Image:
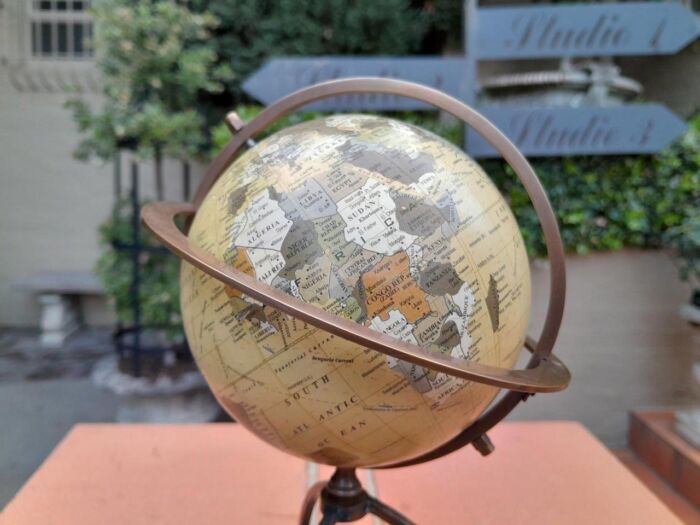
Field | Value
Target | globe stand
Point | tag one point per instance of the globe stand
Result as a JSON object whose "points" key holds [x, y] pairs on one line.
{"points": [[344, 500]]}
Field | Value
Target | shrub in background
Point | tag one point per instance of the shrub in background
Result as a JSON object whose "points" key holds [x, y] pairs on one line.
{"points": [[445, 26], [606, 203], [684, 241], [252, 31], [155, 61], [159, 294], [683, 236]]}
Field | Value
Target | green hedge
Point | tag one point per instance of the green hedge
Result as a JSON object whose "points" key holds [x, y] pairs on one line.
{"points": [[606, 203], [159, 296], [603, 203]]}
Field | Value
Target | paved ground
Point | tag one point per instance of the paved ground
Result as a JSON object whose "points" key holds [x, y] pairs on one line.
{"points": [[42, 394], [35, 418], [622, 339]]}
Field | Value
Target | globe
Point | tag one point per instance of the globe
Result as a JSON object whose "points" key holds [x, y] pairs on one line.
{"points": [[373, 220]]}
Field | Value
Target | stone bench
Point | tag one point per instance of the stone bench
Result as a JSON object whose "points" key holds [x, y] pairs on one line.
{"points": [[59, 297]]}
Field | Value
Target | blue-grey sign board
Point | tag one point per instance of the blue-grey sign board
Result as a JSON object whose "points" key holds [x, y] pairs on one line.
{"points": [[282, 76], [631, 28], [497, 33], [554, 131]]}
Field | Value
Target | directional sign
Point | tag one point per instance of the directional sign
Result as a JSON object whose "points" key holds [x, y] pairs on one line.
{"points": [[507, 33], [282, 76], [554, 131], [632, 28]]}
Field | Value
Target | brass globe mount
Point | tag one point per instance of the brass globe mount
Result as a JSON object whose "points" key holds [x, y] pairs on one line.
{"points": [[342, 498]]}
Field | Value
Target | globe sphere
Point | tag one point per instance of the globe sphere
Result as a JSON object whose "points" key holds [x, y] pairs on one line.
{"points": [[376, 221]]}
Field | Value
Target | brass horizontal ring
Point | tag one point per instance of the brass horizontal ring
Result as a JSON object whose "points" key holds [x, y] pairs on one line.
{"points": [[547, 375], [540, 348]]}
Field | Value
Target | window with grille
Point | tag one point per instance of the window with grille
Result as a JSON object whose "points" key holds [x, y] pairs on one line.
{"points": [[60, 29]]}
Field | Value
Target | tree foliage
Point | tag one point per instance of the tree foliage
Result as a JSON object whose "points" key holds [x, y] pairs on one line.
{"points": [[159, 293], [251, 31], [156, 62], [606, 203]]}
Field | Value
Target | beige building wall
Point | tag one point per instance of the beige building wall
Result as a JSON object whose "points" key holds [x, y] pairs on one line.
{"points": [[50, 204]]}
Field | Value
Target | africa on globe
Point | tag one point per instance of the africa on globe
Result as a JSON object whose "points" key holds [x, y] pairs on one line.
{"points": [[376, 221]]}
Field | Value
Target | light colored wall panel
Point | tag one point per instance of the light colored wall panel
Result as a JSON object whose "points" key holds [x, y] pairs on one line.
{"points": [[50, 204]]}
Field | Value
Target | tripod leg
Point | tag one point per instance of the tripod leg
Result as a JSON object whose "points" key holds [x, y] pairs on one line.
{"points": [[391, 516], [328, 519], [310, 500]]}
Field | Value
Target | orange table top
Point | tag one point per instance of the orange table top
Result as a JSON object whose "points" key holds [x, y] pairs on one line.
{"points": [[541, 472]]}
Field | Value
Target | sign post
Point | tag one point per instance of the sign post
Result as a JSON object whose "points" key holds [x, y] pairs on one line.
{"points": [[557, 131], [290, 74], [631, 28], [514, 33]]}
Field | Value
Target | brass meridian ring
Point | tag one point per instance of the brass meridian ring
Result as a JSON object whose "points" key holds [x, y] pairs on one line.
{"points": [[544, 372]]}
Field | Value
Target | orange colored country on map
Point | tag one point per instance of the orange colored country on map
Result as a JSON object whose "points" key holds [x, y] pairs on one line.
{"points": [[242, 263], [389, 286]]}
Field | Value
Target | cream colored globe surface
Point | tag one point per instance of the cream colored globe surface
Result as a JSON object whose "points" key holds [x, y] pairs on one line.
{"points": [[376, 221]]}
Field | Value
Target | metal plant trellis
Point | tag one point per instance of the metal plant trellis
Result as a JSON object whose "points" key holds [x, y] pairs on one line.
{"points": [[129, 338]]}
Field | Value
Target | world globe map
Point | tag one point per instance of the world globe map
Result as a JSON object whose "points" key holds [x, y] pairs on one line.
{"points": [[376, 221]]}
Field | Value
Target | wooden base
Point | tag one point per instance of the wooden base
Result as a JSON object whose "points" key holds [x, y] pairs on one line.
{"points": [[342, 500]]}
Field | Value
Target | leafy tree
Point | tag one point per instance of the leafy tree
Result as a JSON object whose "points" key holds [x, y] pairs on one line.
{"points": [[156, 62], [251, 31], [445, 26], [681, 165], [159, 291]]}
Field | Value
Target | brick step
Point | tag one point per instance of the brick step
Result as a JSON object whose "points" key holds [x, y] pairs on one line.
{"points": [[681, 507], [653, 439]]}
